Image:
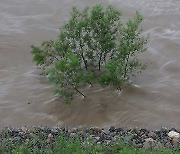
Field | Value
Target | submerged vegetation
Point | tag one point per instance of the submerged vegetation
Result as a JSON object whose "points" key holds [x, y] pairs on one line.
{"points": [[94, 46]]}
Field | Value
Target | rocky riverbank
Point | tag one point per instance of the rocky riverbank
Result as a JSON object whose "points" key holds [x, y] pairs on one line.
{"points": [[139, 137]]}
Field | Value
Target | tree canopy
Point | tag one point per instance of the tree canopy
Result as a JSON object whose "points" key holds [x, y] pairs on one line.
{"points": [[94, 46]]}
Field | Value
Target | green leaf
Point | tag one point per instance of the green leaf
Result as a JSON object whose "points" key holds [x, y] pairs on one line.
{"points": [[93, 46]]}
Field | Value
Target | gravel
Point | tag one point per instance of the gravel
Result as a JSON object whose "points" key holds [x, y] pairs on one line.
{"points": [[139, 137]]}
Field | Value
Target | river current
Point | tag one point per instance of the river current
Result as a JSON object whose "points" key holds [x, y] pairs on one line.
{"points": [[26, 97]]}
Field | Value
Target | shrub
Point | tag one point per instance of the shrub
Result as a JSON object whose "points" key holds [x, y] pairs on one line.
{"points": [[94, 46]]}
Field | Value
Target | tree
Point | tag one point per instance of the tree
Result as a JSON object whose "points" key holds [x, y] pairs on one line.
{"points": [[94, 46]]}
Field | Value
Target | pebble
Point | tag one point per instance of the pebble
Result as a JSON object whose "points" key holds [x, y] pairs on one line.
{"points": [[50, 136], [27, 141], [72, 135], [149, 143], [108, 142], [140, 145], [133, 136], [54, 131], [113, 134], [106, 131], [24, 129], [97, 138], [152, 135], [96, 129], [112, 129]]}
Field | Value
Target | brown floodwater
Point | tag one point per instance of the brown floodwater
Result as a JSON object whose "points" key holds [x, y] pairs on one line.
{"points": [[26, 97]]}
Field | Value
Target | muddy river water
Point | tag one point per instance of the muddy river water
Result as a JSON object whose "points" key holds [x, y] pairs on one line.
{"points": [[26, 97]]}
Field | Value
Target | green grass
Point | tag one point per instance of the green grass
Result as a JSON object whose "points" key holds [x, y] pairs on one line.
{"points": [[65, 145]]}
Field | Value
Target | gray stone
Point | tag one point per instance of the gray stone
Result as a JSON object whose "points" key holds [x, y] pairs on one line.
{"points": [[108, 142], [73, 130], [95, 130], [54, 131], [106, 131], [112, 129], [50, 136], [152, 135], [97, 138], [128, 137], [27, 141], [173, 134], [140, 145], [24, 129], [16, 138], [168, 145], [143, 136], [176, 142], [92, 136], [73, 135], [149, 143], [158, 145], [113, 134]]}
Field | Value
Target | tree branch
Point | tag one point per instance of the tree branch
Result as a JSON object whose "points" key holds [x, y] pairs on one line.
{"points": [[79, 91]]}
